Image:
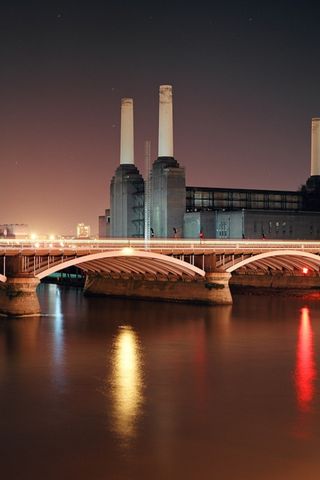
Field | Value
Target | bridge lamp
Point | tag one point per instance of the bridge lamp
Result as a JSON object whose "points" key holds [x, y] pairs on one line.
{"points": [[305, 270], [37, 245], [127, 250]]}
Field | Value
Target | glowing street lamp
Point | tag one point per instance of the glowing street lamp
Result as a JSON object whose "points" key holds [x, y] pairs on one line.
{"points": [[127, 250]]}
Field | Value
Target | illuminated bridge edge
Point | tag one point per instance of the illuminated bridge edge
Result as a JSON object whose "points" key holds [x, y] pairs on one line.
{"points": [[298, 259], [127, 261]]}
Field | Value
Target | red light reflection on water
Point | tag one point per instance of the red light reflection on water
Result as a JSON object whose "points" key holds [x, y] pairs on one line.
{"points": [[305, 372]]}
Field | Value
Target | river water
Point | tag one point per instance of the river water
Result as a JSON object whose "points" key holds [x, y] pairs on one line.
{"points": [[103, 388]]}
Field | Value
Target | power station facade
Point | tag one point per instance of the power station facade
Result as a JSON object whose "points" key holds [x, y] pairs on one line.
{"points": [[176, 210]]}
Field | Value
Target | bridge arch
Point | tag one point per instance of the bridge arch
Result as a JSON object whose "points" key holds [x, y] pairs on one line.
{"points": [[3, 278], [128, 261], [282, 259]]}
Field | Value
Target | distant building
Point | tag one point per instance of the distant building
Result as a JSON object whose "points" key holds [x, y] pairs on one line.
{"points": [[83, 231], [14, 230], [104, 224]]}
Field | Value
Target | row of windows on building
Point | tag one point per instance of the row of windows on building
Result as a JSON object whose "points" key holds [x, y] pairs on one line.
{"points": [[197, 200], [270, 228]]}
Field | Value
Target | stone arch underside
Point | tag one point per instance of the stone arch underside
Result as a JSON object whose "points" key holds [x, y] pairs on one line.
{"points": [[288, 260], [128, 262]]}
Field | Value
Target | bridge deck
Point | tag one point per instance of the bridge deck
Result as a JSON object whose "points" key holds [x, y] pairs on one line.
{"points": [[167, 246]]}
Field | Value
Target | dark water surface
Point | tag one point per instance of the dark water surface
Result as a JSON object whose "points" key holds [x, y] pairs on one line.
{"points": [[117, 389]]}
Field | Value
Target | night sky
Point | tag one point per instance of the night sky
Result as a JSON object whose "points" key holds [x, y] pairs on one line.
{"points": [[246, 80]]}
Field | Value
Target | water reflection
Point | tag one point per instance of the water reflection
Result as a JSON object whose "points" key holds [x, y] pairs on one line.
{"points": [[58, 340], [305, 372], [305, 375], [58, 330], [127, 382], [20, 336]]}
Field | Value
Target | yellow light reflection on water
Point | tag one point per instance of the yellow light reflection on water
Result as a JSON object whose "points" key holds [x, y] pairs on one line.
{"points": [[127, 382]]}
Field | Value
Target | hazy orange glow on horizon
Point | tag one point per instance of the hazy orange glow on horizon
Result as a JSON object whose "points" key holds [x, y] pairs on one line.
{"points": [[245, 88]]}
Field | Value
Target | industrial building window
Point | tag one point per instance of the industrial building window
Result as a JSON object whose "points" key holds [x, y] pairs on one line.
{"points": [[255, 227], [222, 229], [275, 197], [270, 227], [221, 195], [221, 203], [290, 229], [258, 197], [275, 205], [277, 227], [311, 229], [284, 227]]}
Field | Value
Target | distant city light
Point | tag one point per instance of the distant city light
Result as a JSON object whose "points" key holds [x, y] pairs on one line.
{"points": [[33, 236], [83, 231]]}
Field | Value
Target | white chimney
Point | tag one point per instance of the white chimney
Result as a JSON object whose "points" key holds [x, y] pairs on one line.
{"points": [[126, 136], [315, 147], [165, 145]]}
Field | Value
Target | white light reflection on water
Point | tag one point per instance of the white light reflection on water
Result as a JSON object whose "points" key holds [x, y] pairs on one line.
{"points": [[126, 382], [58, 330], [58, 338]]}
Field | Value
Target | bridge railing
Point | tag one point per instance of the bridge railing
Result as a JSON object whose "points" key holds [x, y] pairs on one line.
{"points": [[158, 243]]}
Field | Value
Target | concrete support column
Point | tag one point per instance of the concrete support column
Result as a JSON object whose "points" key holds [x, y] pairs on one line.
{"points": [[165, 145], [126, 136], [315, 147], [210, 263], [217, 284], [213, 290], [18, 297]]}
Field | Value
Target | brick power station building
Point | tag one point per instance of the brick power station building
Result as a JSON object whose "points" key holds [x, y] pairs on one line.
{"points": [[164, 207]]}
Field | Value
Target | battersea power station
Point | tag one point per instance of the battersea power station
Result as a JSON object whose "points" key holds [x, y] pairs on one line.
{"points": [[162, 206]]}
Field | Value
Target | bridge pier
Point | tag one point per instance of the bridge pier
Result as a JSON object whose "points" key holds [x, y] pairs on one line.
{"points": [[18, 297], [213, 289], [217, 284]]}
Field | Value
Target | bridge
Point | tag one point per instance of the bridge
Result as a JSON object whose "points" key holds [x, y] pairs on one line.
{"points": [[193, 269]]}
